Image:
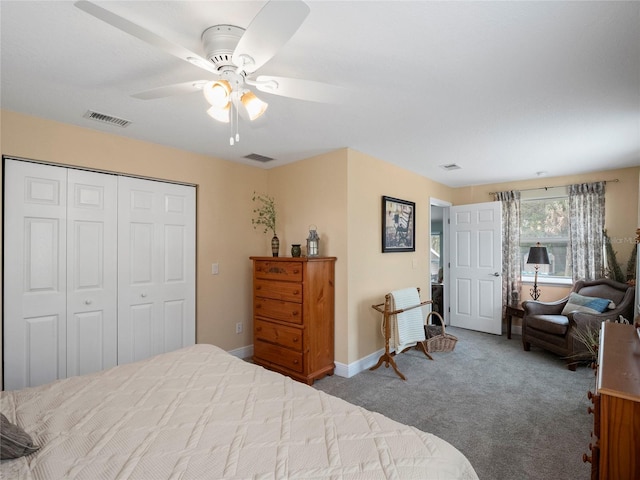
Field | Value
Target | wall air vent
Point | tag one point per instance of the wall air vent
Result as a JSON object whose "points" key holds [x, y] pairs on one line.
{"points": [[451, 166], [258, 158], [103, 118]]}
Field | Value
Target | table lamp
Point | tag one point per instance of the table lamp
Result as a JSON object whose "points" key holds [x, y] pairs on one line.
{"points": [[538, 256]]}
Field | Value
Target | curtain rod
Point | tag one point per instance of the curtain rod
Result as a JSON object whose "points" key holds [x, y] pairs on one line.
{"points": [[615, 180]]}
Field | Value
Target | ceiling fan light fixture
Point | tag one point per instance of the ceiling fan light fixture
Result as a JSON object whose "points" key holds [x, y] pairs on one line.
{"points": [[254, 106], [220, 114], [217, 93]]}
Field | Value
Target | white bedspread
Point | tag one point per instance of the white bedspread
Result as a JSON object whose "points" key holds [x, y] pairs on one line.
{"points": [[200, 413]]}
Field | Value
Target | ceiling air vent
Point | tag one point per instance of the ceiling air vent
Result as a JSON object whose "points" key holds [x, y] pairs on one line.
{"points": [[451, 166], [258, 158], [103, 118]]}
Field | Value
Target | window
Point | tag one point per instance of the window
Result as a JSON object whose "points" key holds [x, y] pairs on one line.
{"points": [[546, 220]]}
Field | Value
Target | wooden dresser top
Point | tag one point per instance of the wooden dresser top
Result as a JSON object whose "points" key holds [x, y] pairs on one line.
{"points": [[619, 361]]}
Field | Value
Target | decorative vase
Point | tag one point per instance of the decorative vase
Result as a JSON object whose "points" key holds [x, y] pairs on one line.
{"points": [[296, 251], [275, 245]]}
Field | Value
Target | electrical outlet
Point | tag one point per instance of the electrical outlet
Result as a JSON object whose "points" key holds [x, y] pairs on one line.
{"points": [[239, 327]]}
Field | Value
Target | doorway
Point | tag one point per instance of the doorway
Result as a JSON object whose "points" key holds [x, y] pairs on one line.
{"points": [[438, 256]]}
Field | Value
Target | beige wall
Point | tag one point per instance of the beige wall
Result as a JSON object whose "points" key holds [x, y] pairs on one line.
{"points": [[224, 191], [340, 192], [622, 205], [314, 192], [373, 274]]}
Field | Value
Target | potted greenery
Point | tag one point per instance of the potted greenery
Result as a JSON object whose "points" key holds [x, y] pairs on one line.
{"points": [[265, 216]]}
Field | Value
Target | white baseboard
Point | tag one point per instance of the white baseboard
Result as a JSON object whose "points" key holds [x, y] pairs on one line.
{"points": [[348, 371], [343, 369], [242, 352]]}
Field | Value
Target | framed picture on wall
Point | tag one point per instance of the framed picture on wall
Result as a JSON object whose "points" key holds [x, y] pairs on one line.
{"points": [[398, 225]]}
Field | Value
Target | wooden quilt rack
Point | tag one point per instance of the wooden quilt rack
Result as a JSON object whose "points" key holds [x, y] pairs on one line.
{"points": [[387, 357]]}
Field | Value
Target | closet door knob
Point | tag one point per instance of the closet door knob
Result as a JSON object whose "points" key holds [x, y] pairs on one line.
{"points": [[88, 302], [143, 295]]}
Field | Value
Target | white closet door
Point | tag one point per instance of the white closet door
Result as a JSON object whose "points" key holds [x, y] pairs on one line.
{"points": [[35, 290], [91, 272], [156, 268]]}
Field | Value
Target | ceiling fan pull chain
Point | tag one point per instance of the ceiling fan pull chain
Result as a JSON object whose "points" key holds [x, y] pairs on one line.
{"points": [[237, 125], [231, 125]]}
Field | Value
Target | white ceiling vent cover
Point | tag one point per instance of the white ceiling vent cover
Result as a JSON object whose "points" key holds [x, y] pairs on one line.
{"points": [[104, 118], [258, 158], [451, 166]]}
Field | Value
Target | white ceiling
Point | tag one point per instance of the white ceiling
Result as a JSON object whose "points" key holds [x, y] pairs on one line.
{"points": [[502, 89]]}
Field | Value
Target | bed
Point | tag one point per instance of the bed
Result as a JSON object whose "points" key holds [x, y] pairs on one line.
{"points": [[201, 413]]}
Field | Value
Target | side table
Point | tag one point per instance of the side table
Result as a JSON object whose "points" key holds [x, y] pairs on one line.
{"points": [[510, 312]]}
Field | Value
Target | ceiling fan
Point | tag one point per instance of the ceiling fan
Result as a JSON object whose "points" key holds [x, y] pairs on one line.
{"points": [[232, 55]]}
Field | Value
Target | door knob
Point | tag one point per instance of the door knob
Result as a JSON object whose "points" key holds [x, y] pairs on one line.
{"points": [[88, 302], [143, 295], [495, 274]]}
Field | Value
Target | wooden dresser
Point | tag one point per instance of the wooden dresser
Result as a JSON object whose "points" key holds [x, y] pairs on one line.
{"points": [[615, 446], [293, 315]]}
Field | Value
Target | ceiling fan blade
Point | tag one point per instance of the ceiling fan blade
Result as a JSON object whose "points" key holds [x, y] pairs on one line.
{"points": [[145, 35], [300, 89], [271, 28], [171, 90]]}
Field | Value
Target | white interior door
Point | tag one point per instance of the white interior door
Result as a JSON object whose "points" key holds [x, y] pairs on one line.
{"points": [[91, 272], [475, 267], [156, 268], [35, 290]]}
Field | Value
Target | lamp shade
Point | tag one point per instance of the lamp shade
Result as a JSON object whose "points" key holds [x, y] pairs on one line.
{"points": [[255, 107], [220, 114], [217, 93], [538, 255]]}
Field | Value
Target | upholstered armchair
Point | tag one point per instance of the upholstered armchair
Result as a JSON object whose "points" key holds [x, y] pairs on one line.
{"points": [[551, 325]]}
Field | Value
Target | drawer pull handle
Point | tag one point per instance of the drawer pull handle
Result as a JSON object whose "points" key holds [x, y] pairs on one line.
{"points": [[296, 271], [258, 305], [585, 458], [295, 339], [590, 410], [295, 314], [296, 292], [295, 362], [258, 287]]}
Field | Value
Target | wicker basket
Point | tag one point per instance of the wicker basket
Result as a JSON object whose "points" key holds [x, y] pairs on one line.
{"points": [[438, 340]]}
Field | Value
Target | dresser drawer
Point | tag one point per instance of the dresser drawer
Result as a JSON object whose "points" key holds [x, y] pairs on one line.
{"points": [[278, 310], [277, 355], [283, 271], [289, 337], [291, 292]]}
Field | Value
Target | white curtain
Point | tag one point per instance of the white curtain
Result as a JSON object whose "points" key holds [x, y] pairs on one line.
{"points": [[586, 226], [511, 268]]}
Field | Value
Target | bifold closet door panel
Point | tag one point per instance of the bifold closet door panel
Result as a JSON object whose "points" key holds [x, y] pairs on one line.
{"points": [[92, 258], [35, 290], [156, 268], [60, 273]]}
